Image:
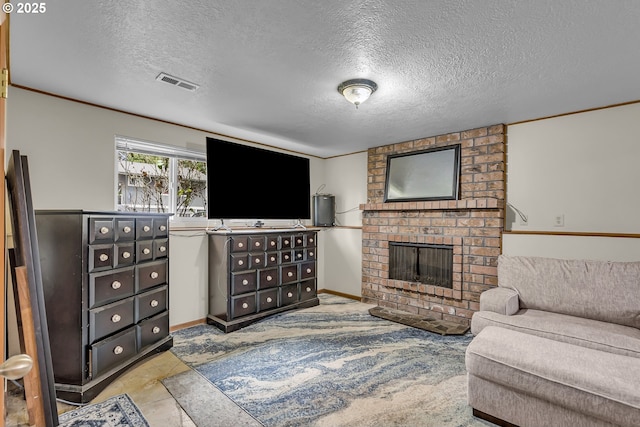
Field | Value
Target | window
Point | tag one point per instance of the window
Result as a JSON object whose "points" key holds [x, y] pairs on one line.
{"points": [[158, 178]]}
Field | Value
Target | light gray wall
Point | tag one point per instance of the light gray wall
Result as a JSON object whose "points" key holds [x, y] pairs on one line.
{"points": [[584, 167], [71, 152]]}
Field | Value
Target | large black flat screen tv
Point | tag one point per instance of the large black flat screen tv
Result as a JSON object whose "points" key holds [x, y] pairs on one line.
{"points": [[245, 182]]}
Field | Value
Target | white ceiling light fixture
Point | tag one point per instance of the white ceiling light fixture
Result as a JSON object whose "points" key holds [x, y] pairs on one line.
{"points": [[356, 91]]}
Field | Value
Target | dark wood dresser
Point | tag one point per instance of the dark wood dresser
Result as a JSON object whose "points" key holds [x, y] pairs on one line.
{"points": [[106, 285], [254, 274]]}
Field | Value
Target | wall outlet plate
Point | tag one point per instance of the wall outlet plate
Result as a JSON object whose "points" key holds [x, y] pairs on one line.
{"points": [[558, 220]]}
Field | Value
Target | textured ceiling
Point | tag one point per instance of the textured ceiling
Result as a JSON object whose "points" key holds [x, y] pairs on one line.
{"points": [[268, 69]]}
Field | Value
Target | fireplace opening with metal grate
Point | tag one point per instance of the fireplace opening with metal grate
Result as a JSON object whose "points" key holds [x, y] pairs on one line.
{"points": [[423, 263]]}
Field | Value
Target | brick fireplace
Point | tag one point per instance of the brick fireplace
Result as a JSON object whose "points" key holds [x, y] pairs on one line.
{"points": [[471, 225]]}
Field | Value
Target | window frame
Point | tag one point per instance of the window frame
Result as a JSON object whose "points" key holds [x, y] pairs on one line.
{"points": [[174, 154]]}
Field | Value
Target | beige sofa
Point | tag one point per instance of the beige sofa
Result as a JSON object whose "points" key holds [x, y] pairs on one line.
{"points": [[557, 343]]}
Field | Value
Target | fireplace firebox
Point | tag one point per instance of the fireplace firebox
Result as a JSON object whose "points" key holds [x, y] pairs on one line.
{"points": [[423, 263]]}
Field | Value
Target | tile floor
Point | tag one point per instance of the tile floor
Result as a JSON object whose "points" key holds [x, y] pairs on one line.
{"points": [[141, 383]]}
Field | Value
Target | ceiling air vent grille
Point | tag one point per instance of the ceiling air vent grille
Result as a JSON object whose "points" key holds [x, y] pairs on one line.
{"points": [[176, 81]]}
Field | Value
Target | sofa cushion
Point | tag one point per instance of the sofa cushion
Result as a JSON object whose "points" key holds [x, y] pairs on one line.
{"points": [[500, 300], [600, 290], [594, 334], [584, 380]]}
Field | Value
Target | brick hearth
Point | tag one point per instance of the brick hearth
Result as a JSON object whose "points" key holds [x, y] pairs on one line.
{"points": [[472, 225]]}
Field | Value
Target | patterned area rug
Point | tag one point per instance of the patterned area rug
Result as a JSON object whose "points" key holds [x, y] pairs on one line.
{"points": [[118, 411], [329, 365]]}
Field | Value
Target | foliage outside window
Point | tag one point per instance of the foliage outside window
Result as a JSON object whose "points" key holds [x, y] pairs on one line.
{"points": [[156, 178]]}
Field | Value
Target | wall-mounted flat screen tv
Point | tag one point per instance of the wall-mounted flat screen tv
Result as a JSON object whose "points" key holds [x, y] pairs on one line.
{"points": [[423, 175], [245, 182]]}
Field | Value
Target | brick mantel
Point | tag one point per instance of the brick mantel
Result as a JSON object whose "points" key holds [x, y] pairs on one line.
{"points": [[472, 225], [485, 203]]}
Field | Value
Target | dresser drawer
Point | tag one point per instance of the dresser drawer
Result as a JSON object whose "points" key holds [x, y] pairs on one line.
{"points": [[268, 278], [124, 229], [256, 243], [100, 230], [298, 255], [256, 260], [160, 248], [310, 240], [144, 250], [243, 305], [289, 273], [151, 274], [310, 254], [288, 294], [239, 262], [110, 318], [271, 259], [110, 286], [298, 241], [150, 303], [307, 270], [144, 228], [308, 290], [112, 351], [100, 257], [286, 242], [124, 254], [272, 243], [161, 227], [239, 244], [241, 283], [267, 299], [286, 257], [152, 330]]}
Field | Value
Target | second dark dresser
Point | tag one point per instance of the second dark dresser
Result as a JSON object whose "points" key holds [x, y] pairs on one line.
{"points": [[106, 285]]}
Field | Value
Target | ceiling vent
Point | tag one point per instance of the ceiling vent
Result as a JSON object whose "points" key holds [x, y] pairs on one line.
{"points": [[176, 81]]}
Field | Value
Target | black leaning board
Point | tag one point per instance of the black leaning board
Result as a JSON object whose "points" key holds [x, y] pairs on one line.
{"points": [[27, 254]]}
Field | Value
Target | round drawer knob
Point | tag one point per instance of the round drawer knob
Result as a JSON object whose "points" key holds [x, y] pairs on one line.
{"points": [[286, 242], [290, 294], [308, 289], [163, 249], [155, 330], [257, 244], [127, 229], [241, 245], [269, 299], [154, 303], [286, 257], [245, 282], [290, 274], [257, 260], [308, 270], [118, 349], [311, 254], [154, 275], [310, 239], [146, 251], [245, 305], [162, 227], [299, 241], [272, 259], [104, 257], [269, 278], [104, 230], [146, 228], [240, 262], [272, 243], [299, 255], [116, 284], [126, 255], [116, 318]]}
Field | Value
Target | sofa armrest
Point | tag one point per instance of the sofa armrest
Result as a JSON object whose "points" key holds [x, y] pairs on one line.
{"points": [[500, 300]]}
